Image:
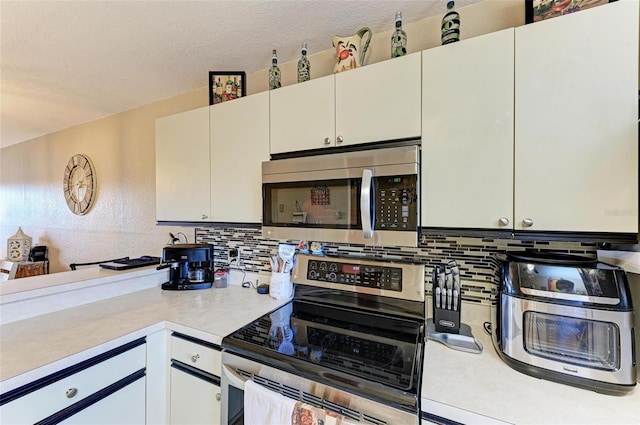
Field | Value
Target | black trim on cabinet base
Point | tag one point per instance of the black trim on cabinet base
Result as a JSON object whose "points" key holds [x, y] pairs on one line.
{"points": [[438, 419], [195, 372], [49, 379], [209, 224], [529, 235], [92, 399], [196, 340]]}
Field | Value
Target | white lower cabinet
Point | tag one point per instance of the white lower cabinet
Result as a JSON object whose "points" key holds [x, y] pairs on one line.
{"points": [[91, 390], [194, 399], [195, 381], [124, 407]]}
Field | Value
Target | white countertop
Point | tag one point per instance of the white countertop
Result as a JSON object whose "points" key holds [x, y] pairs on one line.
{"points": [[456, 385], [34, 347], [456, 382]]}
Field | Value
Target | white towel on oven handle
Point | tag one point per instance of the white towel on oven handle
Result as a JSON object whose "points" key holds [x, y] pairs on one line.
{"points": [[265, 407]]}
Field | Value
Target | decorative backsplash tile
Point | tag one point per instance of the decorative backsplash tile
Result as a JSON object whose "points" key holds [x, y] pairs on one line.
{"points": [[479, 271]]}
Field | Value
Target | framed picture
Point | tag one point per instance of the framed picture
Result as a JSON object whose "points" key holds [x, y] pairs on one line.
{"points": [[539, 10], [226, 85]]}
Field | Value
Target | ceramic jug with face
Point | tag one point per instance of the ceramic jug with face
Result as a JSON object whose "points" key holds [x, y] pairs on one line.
{"points": [[350, 52]]}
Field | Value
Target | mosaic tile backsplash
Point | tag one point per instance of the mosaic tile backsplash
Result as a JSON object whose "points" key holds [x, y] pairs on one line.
{"points": [[474, 255]]}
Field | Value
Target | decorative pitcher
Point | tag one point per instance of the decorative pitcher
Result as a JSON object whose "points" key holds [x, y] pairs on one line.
{"points": [[349, 51]]}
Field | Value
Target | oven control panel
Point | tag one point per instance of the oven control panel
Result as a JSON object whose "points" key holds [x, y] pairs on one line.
{"points": [[372, 276]]}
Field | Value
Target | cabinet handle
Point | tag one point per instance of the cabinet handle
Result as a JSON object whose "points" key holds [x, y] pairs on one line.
{"points": [[195, 358], [339, 139], [71, 392], [327, 141], [218, 397], [527, 222], [204, 216], [503, 221]]}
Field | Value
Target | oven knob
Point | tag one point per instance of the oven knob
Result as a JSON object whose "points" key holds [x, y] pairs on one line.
{"points": [[333, 267], [313, 275], [332, 277]]}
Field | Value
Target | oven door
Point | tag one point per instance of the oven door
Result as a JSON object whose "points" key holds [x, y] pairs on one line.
{"points": [[237, 370], [579, 342]]}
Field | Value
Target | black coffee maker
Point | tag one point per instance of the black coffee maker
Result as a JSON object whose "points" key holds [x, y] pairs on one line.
{"points": [[190, 266]]}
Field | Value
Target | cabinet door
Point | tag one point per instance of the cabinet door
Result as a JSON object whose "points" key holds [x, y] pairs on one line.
{"points": [[467, 125], [239, 144], [576, 131], [182, 167], [379, 102], [193, 400], [125, 407], [303, 116]]}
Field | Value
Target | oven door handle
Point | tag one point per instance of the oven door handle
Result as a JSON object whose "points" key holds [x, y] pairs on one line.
{"points": [[365, 204], [234, 378]]}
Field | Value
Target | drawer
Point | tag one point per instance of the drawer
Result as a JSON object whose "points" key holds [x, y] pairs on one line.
{"points": [[197, 355], [61, 393]]}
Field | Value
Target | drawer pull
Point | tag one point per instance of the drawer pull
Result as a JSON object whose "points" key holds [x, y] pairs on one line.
{"points": [[71, 392], [195, 358]]}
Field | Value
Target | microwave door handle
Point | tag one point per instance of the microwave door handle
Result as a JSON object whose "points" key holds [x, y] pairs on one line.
{"points": [[365, 204]]}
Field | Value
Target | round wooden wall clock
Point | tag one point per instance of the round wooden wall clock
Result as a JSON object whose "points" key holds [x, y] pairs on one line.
{"points": [[79, 184]]}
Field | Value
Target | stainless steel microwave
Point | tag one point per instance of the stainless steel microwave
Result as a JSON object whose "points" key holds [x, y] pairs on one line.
{"points": [[365, 197]]}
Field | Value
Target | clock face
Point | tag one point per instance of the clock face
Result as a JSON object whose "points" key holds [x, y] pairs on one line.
{"points": [[79, 184]]}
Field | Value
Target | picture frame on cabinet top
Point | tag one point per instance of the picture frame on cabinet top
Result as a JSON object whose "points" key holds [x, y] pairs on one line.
{"points": [[226, 85], [539, 10]]}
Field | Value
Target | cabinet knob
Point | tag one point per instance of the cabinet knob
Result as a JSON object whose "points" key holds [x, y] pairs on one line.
{"points": [[339, 139], [71, 392], [195, 358], [204, 216], [218, 397], [327, 141], [527, 222], [503, 221]]}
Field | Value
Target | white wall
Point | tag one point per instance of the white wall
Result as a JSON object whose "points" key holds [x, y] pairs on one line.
{"points": [[122, 148]]}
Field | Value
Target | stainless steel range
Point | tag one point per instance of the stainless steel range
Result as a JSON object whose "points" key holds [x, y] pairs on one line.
{"points": [[350, 342]]}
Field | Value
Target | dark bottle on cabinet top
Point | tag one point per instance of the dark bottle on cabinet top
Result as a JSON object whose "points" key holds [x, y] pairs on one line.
{"points": [[450, 24], [398, 39]]}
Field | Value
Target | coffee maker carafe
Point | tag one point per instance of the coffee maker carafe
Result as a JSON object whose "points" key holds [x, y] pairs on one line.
{"points": [[190, 266]]}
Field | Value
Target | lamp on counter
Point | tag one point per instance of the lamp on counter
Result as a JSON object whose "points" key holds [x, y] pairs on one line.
{"points": [[18, 246]]}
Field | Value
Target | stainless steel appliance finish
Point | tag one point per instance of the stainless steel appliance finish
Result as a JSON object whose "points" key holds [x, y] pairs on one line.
{"points": [[367, 197], [236, 370], [354, 351], [567, 319], [627, 256]]}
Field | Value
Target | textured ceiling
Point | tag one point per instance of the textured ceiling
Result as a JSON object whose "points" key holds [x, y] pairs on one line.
{"points": [[67, 62]]}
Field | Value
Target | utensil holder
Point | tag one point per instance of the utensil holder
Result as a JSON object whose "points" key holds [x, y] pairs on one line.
{"points": [[280, 286], [445, 319]]}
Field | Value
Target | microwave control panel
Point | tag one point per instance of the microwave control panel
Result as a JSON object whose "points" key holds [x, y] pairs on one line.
{"points": [[396, 203], [379, 277]]}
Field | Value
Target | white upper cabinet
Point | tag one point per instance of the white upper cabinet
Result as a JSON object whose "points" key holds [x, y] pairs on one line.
{"points": [[303, 116], [182, 167], [576, 112], [374, 103], [239, 144], [467, 133], [379, 102]]}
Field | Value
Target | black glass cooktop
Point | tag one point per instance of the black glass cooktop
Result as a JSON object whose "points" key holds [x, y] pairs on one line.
{"points": [[328, 340]]}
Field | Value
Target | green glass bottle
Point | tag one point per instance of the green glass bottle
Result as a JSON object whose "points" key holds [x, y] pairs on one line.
{"points": [[304, 67], [398, 39], [451, 24], [274, 72]]}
